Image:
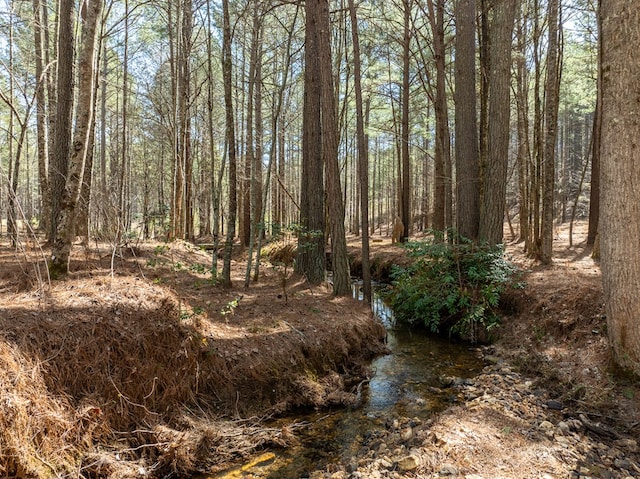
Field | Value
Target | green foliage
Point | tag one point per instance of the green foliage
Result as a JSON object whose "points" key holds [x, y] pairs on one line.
{"points": [[195, 311], [161, 249], [156, 259], [200, 268], [177, 266], [451, 287], [231, 306]]}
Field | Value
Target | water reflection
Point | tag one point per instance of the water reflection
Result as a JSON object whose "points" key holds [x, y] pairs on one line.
{"points": [[404, 383]]}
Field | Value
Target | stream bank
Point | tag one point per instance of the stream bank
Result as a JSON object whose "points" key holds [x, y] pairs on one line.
{"points": [[498, 424], [407, 387], [126, 388], [544, 405]]}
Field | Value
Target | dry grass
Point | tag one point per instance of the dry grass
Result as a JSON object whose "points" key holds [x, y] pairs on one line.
{"points": [[135, 371]]}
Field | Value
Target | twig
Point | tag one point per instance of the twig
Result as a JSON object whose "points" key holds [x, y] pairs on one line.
{"points": [[53, 469], [142, 446], [597, 428], [127, 400], [294, 329]]}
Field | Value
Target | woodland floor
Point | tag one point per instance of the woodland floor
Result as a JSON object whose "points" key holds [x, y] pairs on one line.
{"points": [[137, 365]]}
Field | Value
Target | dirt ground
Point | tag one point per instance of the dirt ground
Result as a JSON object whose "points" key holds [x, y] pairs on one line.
{"points": [[138, 365]]}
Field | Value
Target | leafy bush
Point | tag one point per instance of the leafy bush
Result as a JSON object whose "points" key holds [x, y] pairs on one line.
{"points": [[451, 287]]}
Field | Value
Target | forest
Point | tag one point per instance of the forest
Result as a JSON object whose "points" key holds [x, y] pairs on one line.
{"points": [[171, 170], [158, 161]]}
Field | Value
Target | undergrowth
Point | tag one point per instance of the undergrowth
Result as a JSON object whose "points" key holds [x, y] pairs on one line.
{"points": [[452, 288]]}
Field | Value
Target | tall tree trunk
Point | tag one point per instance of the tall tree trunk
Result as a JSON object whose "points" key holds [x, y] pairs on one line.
{"points": [[485, 63], [254, 135], [12, 226], [405, 196], [552, 90], [177, 170], [501, 20], [103, 214], [185, 118], [466, 128], [538, 139], [524, 147], [363, 155], [41, 116], [231, 144], [248, 185], [620, 175], [311, 255], [216, 184], [259, 148], [124, 152], [86, 191], [64, 105], [65, 230], [443, 144], [330, 143], [594, 197]]}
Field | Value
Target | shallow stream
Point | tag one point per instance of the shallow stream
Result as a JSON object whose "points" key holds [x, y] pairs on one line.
{"points": [[404, 384]]}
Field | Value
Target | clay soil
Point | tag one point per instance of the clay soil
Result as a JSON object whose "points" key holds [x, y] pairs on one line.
{"points": [[139, 365]]}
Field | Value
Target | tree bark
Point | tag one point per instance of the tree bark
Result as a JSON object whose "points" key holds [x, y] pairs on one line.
{"points": [[363, 155], [466, 128], [65, 230], [620, 175], [405, 196], [64, 105], [594, 197], [552, 89], [501, 20], [41, 116], [330, 143], [310, 255], [231, 144]]}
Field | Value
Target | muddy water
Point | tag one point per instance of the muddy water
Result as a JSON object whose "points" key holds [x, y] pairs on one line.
{"points": [[405, 383]]}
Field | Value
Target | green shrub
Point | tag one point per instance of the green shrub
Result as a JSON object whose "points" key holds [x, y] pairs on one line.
{"points": [[453, 288]]}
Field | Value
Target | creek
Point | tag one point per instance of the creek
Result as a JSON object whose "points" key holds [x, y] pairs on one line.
{"points": [[406, 383]]}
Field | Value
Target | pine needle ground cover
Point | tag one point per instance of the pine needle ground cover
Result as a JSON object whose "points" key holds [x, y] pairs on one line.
{"points": [[150, 371]]}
